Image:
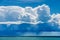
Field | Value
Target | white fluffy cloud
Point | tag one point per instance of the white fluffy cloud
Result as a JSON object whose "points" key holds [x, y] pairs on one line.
{"points": [[39, 14], [43, 13], [27, 14], [55, 20]]}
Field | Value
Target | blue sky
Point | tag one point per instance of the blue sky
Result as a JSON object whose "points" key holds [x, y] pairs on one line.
{"points": [[53, 4]]}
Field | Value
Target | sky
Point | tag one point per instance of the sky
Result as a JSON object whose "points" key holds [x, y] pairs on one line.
{"points": [[53, 4]]}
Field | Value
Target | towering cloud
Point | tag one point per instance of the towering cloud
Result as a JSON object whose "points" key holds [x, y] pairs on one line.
{"points": [[43, 13]]}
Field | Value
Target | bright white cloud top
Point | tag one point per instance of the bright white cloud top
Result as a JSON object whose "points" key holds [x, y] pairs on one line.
{"points": [[18, 15]]}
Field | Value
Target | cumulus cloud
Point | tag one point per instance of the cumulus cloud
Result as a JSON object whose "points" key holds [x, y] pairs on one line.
{"points": [[55, 20], [43, 13], [16, 13]]}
